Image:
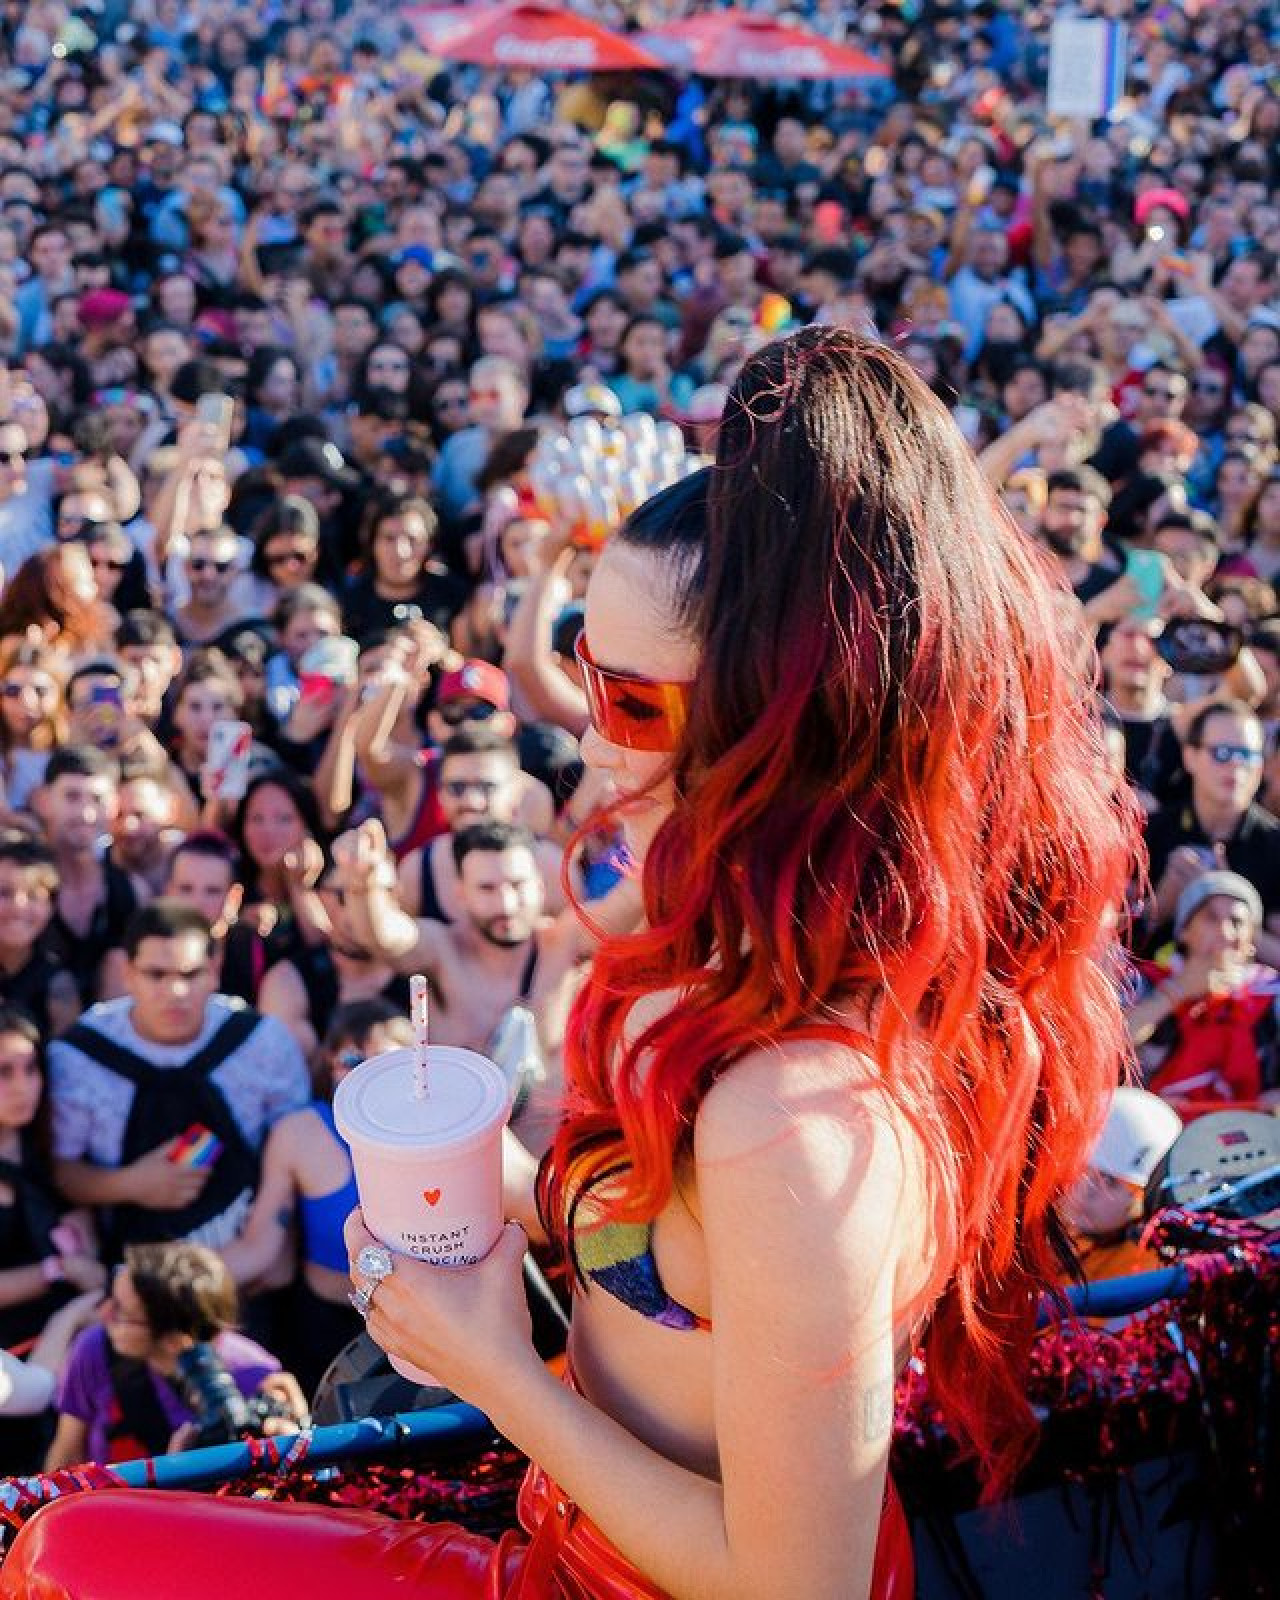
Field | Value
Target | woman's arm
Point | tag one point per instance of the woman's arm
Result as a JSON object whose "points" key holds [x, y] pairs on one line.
{"points": [[335, 774], [806, 1213], [70, 1443], [20, 1284], [266, 1233], [283, 995], [528, 656], [386, 766]]}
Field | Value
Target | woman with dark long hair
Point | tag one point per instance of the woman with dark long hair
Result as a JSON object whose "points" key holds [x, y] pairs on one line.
{"points": [[825, 1102]]}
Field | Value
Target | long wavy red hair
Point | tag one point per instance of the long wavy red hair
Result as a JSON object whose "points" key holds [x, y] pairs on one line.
{"points": [[892, 790]]}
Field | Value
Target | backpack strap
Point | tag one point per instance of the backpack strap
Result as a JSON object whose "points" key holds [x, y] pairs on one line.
{"points": [[118, 1058]]}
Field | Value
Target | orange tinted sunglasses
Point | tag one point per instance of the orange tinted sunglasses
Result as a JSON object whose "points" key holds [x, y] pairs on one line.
{"points": [[637, 713]]}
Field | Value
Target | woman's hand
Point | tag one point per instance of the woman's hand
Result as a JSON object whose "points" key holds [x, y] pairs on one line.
{"points": [[467, 1326], [304, 867]]}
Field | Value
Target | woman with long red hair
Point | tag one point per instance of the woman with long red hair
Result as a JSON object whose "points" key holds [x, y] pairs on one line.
{"points": [[825, 1102]]}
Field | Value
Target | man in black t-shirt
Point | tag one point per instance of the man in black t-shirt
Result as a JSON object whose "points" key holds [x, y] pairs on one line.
{"points": [[1221, 825]]}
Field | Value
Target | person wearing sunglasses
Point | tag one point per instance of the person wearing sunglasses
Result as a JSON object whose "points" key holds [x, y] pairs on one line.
{"points": [[118, 568], [211, 566], [1221, 825], [33, 717]]}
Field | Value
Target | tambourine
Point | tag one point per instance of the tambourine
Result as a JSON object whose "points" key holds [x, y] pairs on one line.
{"points": [[1227, 1162]]}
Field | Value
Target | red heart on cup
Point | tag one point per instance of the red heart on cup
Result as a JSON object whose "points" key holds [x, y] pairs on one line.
{"points": [[431, 1196]]}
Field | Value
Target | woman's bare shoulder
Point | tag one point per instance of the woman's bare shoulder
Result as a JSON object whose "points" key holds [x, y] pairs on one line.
{"points": [[805, 1135]]}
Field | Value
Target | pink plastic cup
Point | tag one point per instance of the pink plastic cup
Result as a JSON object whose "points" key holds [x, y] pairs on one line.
{"points": [[429, 1171]]}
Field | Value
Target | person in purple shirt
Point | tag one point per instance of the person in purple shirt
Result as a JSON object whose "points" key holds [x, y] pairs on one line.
{"points": [[121, 1394]]}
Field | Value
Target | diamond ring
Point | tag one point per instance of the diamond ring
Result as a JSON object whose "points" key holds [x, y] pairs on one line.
{"points": [[375, 1263]]}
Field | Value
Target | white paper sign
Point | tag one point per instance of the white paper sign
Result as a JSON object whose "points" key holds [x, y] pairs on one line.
{"points": [[1086, 66]]}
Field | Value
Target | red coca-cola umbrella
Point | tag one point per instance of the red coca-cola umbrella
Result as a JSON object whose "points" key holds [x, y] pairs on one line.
{"points": [[540, 37], [742, 44]]}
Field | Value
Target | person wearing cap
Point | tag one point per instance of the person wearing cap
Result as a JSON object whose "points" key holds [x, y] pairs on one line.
{"points": [[1104, 1208], [1205, 1024], [107, 320]]}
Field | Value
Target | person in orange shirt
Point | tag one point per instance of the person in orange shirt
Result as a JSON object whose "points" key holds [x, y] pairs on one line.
{"points": [[1104, 1208]]}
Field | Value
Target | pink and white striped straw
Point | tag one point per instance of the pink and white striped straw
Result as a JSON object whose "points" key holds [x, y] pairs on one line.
{"points": [[418, 1017]]}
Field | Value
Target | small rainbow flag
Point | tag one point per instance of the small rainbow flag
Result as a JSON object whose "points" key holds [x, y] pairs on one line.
{"points": [[198, 1147], [773, 313]]}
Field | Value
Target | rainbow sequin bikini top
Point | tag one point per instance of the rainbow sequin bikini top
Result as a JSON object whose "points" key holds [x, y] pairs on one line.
{"points": [[618, 1258]]}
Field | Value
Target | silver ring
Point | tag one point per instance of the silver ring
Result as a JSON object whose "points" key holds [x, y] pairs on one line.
{"points": [[360, 1299]]}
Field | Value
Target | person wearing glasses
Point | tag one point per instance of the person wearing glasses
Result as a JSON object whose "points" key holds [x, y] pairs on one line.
{"points": [[480, 781], [212, 566], [1220, 825], [121, 1394], [820, 1096], [33, 716]]}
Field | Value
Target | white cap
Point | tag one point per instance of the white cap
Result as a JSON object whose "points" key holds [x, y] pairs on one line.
{"points": [[592, 400], [1139, 1130]]}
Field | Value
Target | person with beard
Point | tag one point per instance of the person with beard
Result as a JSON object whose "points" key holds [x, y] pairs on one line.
{"points": [[503, 953], [1071, 525]]}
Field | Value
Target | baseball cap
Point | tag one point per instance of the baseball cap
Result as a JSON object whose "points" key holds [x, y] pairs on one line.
{"points": [[1170, 199], [164, 133], [101, 307], [592, 400], [415, 252], [1230, 884], [1136, 1136], [310, 457], [475, 680]]}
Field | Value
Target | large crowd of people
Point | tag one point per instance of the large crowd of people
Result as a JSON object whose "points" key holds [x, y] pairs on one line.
{"points": [[294, 320]]}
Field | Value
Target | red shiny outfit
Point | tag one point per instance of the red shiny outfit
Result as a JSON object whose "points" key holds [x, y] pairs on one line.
{"points": [[120, 1544]]}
